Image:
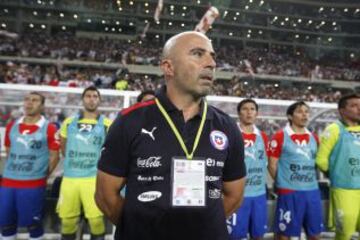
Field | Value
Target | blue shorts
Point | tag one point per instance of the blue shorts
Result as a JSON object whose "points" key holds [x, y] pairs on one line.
{"points": [[250, 218], [21, 207], [296, 210]]}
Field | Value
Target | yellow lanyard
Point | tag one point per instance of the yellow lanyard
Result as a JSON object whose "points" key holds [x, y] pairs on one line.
{"points": [[176, 132]]}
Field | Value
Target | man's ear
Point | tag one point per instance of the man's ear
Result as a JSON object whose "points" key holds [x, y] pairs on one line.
{"points": [[341, 112], [167, 67], [289, 117]]}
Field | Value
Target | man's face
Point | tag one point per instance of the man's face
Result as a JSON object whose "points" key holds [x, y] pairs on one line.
{"points": [[192, 65], [351, 111], [33, 105], [248, 113], [91, 101], [300, 116]]}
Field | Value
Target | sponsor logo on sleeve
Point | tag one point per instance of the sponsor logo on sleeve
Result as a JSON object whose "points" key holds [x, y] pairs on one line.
{"points": [[326, 134], [273, 144]]}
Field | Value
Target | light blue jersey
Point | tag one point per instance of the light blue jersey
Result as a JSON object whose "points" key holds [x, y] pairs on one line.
{"points": [[256, 167], [296, 166], [344, 162], [28, 158], [83, 148]]}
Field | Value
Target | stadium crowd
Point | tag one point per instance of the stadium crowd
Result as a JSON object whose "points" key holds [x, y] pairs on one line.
{"points": [[143, 52], [82, 139], [121, 79]]}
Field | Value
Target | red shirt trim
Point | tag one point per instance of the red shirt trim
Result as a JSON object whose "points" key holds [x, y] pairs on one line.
{"points": [[53, 142], [6, 182], [283, 191], [137, 106]]}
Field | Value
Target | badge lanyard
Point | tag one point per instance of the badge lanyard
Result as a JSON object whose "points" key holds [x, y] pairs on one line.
{"points": [[189, 156]]}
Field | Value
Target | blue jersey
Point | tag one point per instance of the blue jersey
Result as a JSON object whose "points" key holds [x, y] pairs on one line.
{"points": [[344, 162], [256, 166], [28, 157], [83, 148], [296, 166]]}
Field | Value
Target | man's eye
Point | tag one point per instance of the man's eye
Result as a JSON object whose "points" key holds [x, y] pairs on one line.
{"points": [[198, 53]]}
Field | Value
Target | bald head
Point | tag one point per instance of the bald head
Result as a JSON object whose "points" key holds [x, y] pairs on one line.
{"points": [[171, 43], [188, 65]]}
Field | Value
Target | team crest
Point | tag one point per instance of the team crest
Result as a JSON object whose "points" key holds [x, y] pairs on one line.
{"points": [[219, 140]]}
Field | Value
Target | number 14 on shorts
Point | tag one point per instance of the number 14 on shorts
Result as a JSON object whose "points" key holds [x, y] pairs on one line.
{"points": [[285, 216]]}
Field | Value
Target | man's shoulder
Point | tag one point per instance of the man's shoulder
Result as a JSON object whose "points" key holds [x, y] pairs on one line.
{"points": [[330, 133], [223, 122], [10, 124], [333, 128], [135, 116], [51, 127], [278, 136], [68, 120], [137, 109], [107, 122]]}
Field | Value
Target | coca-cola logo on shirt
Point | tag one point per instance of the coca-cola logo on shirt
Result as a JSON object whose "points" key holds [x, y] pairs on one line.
{"points": [[150, 162]]}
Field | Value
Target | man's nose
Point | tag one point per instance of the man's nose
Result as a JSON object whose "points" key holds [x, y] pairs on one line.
{"points": [[210, 62]]}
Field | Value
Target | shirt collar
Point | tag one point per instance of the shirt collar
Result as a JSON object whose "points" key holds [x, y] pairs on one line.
{"points": [[81, 116], [39, 123], [290, 131], [256, 131], [170, 107]]}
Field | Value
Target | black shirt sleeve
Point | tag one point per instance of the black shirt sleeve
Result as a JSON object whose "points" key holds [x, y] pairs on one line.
{"points": [[234, 165], [114, 157]]}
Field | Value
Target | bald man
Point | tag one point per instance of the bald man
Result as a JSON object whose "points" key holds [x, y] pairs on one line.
{"points": [[181, 159]]}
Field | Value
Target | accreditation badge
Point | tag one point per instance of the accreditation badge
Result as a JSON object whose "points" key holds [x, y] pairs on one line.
{"points": [[188, 182]]}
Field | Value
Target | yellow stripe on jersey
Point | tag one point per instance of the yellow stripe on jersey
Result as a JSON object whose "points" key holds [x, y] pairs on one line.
{"points": [[67, 121]]}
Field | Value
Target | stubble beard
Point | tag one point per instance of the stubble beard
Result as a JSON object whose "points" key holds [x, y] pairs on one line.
{"points": [[91, 110]]}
